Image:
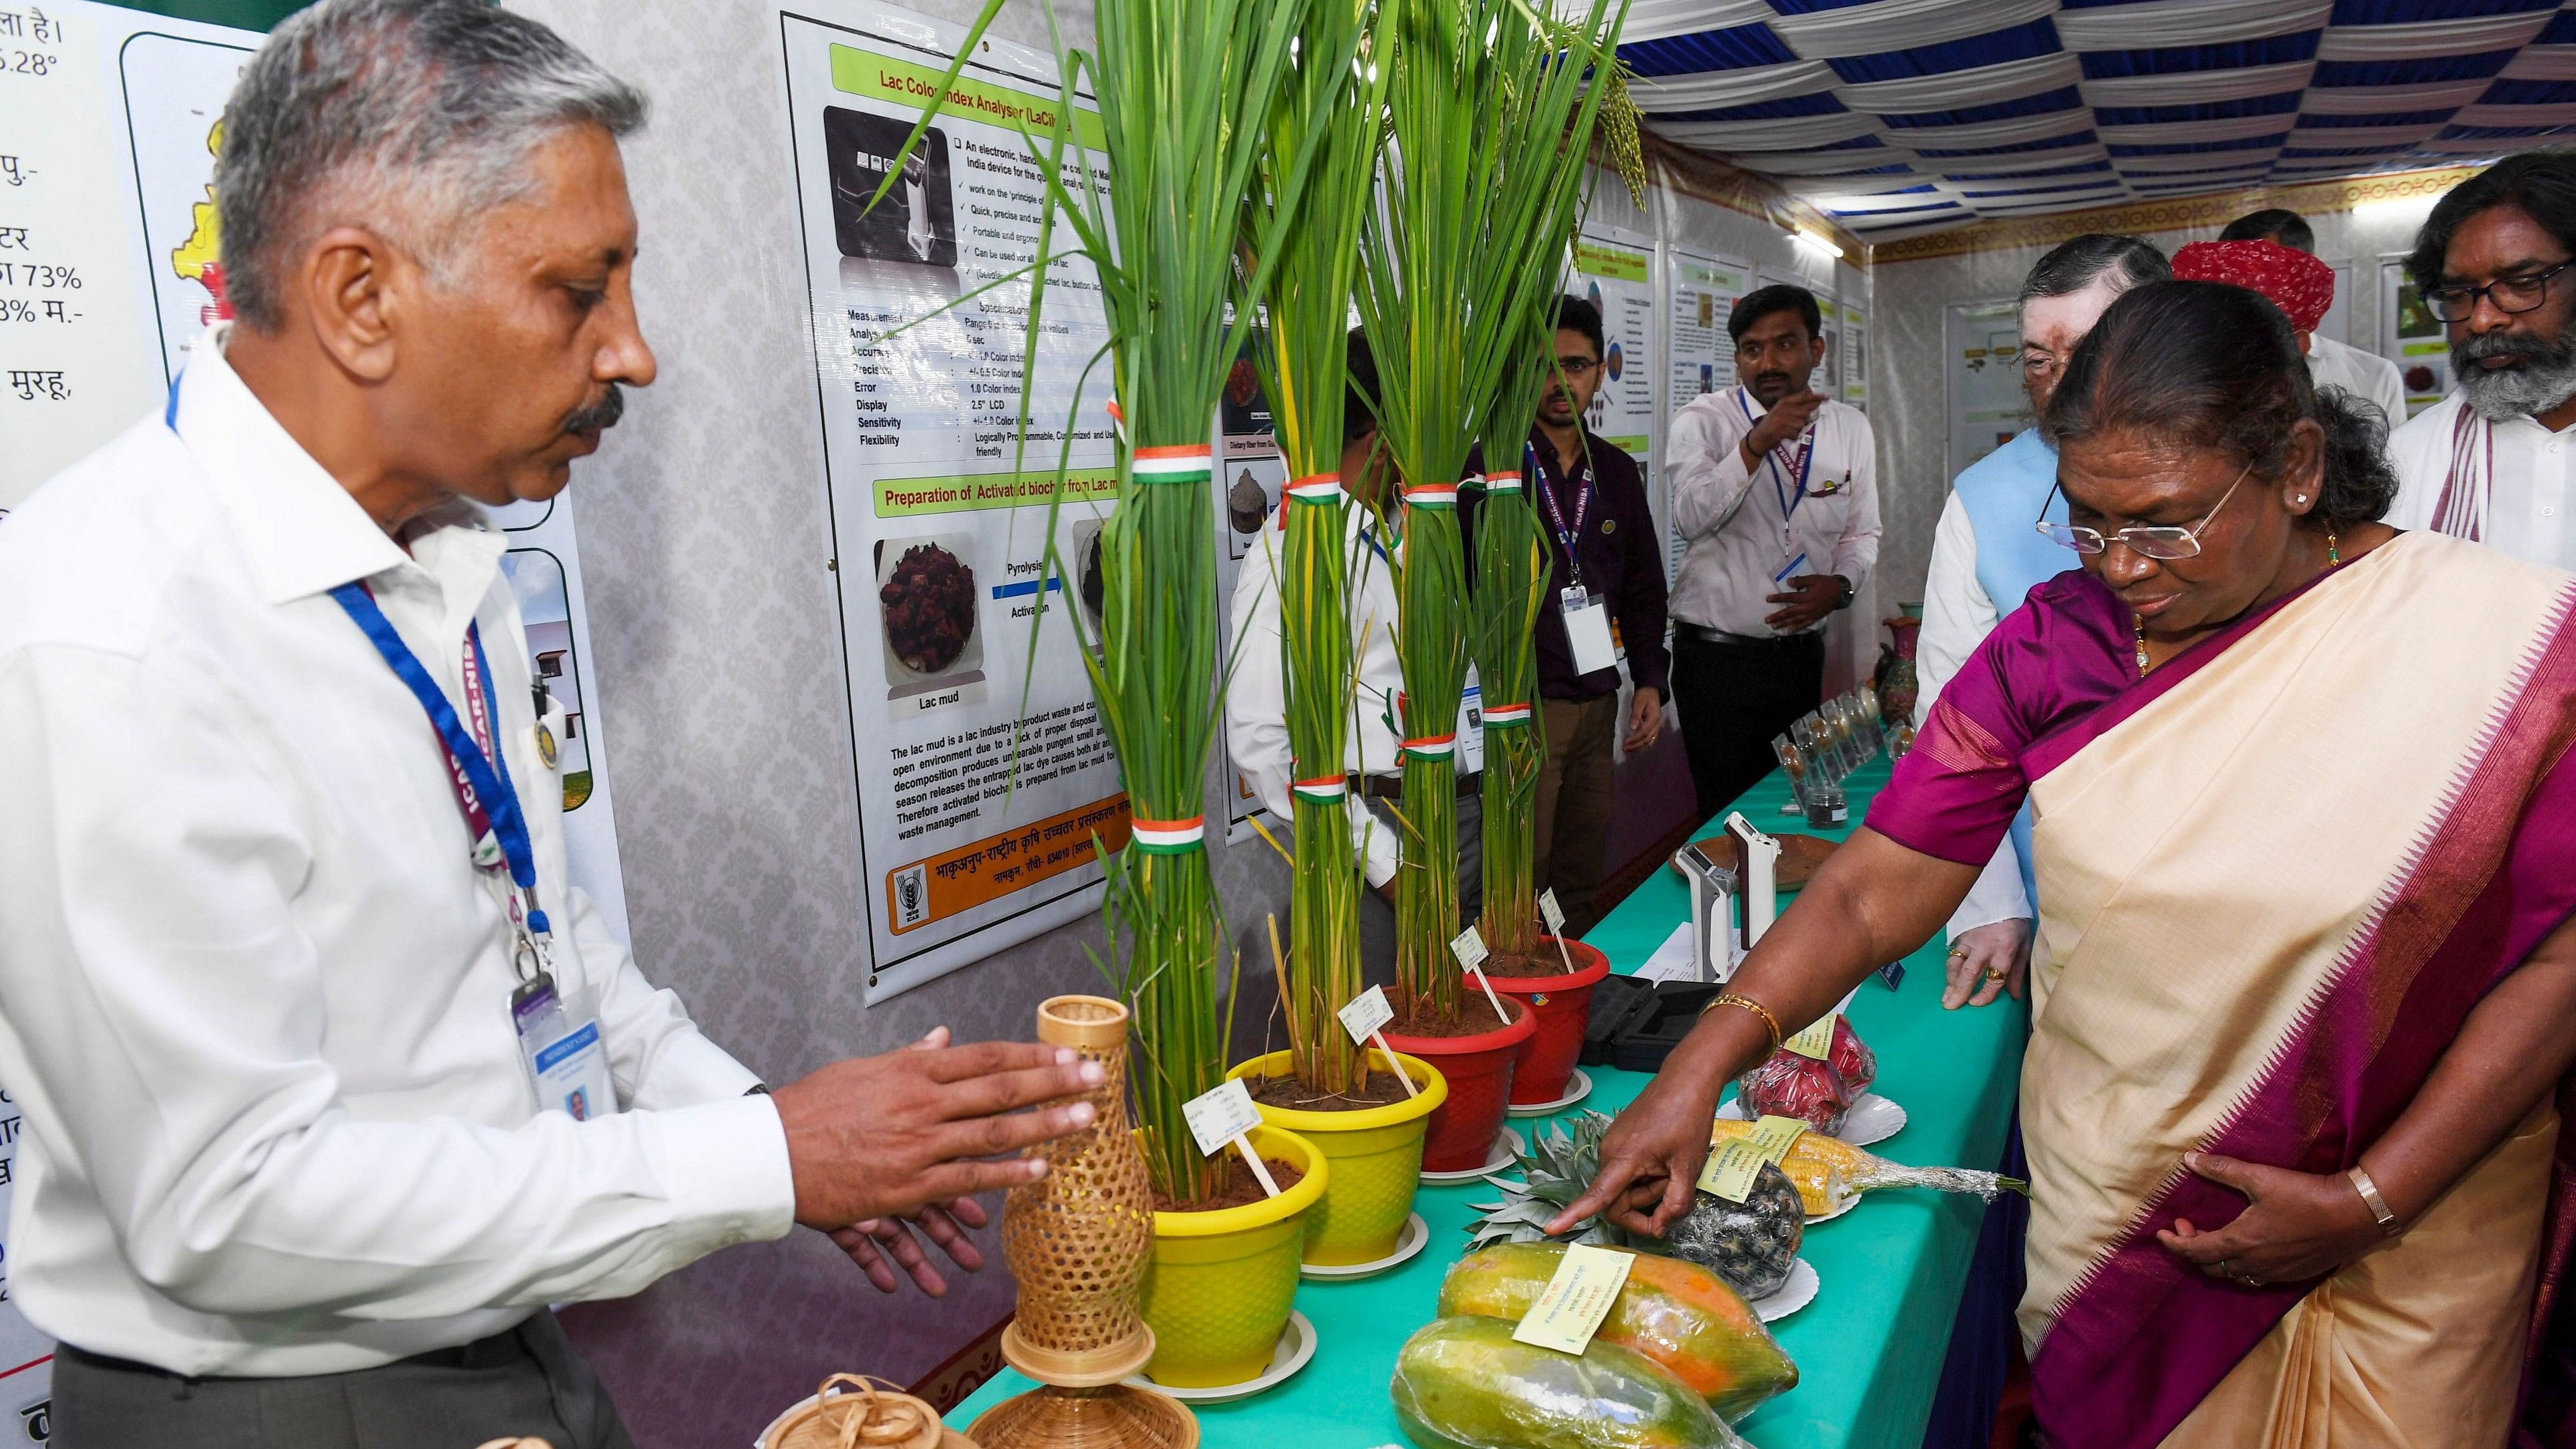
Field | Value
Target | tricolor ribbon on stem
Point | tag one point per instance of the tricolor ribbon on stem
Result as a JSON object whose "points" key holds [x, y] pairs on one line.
{"points": [[1173, 465], [1432, 495], [1502, 482], [1505, 716], [1169, 837], [1431, 747], [1316, 488], [1323, 789]]}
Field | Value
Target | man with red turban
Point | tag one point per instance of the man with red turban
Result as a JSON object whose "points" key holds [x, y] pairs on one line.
{"points": [[2303, 288]]}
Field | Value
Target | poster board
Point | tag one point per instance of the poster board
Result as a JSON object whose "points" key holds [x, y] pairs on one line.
{"points": [[2411, 337], [1855, 355], [1701, 289], [1981, 349], [985, 782], [1614, 269]]}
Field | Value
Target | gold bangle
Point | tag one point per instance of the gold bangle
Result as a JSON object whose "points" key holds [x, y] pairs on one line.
{"points": [[1769, 1022], [2370, 1198]]}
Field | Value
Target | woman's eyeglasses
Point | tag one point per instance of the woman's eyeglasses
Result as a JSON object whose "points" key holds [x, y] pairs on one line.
{"points": [[2509, 294], [2158, 541]]}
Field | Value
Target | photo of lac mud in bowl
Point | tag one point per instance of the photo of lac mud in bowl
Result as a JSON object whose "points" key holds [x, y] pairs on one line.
{"points": [[926, 601]]}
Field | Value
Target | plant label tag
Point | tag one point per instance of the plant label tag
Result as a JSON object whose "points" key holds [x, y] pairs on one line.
{"points": [[1469, 948], [1731, 1169], [1217, 1118], [1816, 1041], [1550, 912], [1570, 1308], [1366, 1013]]}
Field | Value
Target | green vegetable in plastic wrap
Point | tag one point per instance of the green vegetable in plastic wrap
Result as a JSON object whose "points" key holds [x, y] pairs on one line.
{"points": [[1464, 1383]]}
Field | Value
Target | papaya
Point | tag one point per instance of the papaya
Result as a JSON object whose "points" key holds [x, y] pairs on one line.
{"points": [[1465, 1383], [1677, 1314]]}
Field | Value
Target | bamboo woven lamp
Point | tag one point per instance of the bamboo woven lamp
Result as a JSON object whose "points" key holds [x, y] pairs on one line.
{"points": [[1076, 1241]]}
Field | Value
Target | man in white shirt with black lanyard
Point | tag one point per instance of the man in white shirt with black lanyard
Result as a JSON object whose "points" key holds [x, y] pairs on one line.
{"points": [[1775, 496], [332, 1083], [2491, 461]]}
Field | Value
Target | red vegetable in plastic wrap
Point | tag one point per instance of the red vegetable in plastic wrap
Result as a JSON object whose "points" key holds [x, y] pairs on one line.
{"points": [[1790, 1085], [1852, 1057]]}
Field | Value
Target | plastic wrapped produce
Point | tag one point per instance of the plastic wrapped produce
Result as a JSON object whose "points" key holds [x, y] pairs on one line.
{"points": [[1463, 1383], [1852, 1057], [1829, 1173], [1680, 1315], [1787, 1084], [1751, 1244]]}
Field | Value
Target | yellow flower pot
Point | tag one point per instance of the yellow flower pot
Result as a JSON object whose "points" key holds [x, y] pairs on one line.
{"points": [[1376, 1155], [1219, 1284]]}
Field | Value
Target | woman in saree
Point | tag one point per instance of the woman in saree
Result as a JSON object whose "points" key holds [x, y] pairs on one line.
{"points": [[2305, 988]]}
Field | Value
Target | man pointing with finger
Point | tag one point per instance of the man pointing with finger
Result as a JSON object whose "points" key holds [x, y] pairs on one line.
{"points": [[331, 1081], [1775, 496]]}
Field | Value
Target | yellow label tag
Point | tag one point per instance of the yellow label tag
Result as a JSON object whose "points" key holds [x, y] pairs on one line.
{"points": [[1816, 1041], [1570, 1309], [1738, 1161]]}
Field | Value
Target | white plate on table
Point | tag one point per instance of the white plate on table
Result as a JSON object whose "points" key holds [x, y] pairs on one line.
{"points": [[1872, 1119], [1296, 1346], [1409, 1241], [1793, 1295], [1507, 1150], [1577, 1087]]}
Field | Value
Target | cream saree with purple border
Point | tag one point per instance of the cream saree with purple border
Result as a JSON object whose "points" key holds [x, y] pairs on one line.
{"points": [[2274, 877]]}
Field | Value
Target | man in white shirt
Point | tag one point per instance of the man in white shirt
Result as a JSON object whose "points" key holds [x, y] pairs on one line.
{"points": [[1986, 558], [321, 1058], [2366, 375], [1775, 495], [1256, 700], [2490, 461]]}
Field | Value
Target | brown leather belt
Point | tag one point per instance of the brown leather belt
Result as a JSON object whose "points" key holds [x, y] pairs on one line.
{"points": [[1391, 787]]}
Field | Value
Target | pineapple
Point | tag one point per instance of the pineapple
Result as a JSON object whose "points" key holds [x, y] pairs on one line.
{"points": [[1751, 1244]]}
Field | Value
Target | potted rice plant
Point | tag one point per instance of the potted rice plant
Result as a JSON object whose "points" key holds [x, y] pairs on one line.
{"points": [[1185, 91], [1475, 81], [1514, 576], [1324, 1087]]}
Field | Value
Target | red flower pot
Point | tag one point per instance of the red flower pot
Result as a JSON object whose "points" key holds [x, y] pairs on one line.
{"points": [[1560, 1004], [1479, 1072]]}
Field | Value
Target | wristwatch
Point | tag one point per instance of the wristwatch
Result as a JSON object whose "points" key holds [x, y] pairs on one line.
{"points": [[1844, 600]]}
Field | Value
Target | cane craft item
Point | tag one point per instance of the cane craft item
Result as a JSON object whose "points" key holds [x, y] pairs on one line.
{"points": [[865, 1413], [1076, 1241]]}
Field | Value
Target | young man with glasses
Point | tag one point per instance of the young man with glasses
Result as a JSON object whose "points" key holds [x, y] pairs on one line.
{"points": [[1591, 503], [1986, 559], [1775, 495], [2492, 461]]}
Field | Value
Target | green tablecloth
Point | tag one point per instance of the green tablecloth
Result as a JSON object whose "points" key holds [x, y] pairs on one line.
{"points": [[1869, 1349]]}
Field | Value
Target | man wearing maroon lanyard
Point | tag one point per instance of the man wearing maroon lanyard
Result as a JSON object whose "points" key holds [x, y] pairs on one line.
{"points": [[1592, 505]]}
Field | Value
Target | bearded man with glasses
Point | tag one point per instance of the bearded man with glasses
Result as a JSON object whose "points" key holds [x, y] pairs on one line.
{"points": [[2491, 462]]}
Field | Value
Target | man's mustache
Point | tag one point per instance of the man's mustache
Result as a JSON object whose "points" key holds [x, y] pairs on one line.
{"points": [[2513, 341], [599, 415], [1763, 379]]}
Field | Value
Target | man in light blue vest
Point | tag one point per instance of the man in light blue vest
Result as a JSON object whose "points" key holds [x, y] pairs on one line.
{"points": [[1987, 555]]}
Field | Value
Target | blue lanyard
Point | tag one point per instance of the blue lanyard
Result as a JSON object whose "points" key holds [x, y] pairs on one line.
{"points": [[482, 783], [1569, 539], [1788, 501]]}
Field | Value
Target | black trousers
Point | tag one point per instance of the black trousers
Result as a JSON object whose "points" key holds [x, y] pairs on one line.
{"points": [[525, 1380], [1733, 697]]}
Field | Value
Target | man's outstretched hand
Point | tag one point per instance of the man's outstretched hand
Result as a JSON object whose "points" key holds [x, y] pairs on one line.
{"points": [[873, 1138]]}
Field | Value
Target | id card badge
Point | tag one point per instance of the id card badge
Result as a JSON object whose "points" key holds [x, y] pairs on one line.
{"points": [[566, 1057], [1587, 630]]}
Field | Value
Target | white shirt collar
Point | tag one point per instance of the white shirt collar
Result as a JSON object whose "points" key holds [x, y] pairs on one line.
{"points": [[302, 531]]}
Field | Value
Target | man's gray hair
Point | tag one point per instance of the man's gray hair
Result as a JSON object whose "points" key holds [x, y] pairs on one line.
{"points": [[409, 117], [2070, 267]]}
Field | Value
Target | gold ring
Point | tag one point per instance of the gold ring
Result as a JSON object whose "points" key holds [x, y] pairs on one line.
{"points": [[1958, 951], [1994, 973]]}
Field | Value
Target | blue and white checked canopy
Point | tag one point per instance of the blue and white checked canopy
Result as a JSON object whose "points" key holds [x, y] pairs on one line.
{"points": [[1901, 117]]}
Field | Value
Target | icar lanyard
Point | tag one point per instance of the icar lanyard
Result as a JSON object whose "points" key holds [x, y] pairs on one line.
{"points": [[1568, 538], [1800, 460], [476, 770]]}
